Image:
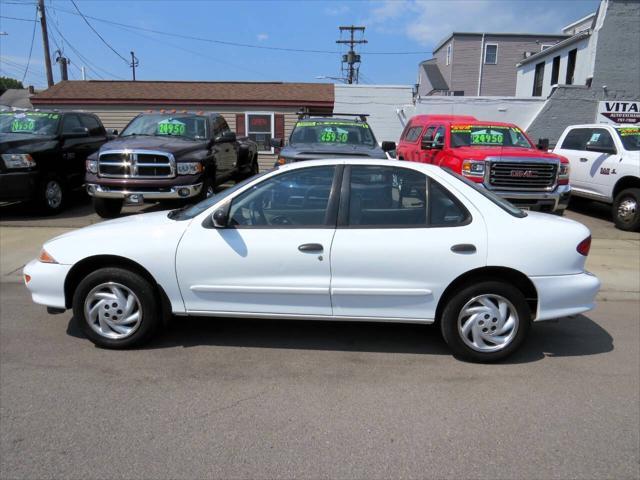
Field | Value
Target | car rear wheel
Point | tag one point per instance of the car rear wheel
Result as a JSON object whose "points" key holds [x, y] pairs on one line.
{"points": [[107, 207], [116, 308], [626, 210], [485, 321]]}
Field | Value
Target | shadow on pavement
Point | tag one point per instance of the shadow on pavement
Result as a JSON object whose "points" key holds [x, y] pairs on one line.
{"points": [[591, 208], [576, 336]]}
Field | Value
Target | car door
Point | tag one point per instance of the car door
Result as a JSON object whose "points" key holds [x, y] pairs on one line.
{"points": [[581, 161], [604, 162], [75, 149], [85, 146], [273, 257], [401, 239], [434, 133]]}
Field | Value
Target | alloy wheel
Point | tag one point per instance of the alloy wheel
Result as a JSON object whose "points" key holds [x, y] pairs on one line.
{"points": [[53, 194]]}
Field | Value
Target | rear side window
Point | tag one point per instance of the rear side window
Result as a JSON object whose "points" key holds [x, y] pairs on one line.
{"points": [[576, 139], [413, 134], [71, 124], [394, 197]]}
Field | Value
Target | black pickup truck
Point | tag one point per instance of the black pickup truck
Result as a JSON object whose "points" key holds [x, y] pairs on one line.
{"points": [[330, 136], [167, 155], [43, 154]]}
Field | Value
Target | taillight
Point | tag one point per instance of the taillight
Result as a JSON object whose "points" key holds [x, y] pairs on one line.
{"points": [[584, 246]]}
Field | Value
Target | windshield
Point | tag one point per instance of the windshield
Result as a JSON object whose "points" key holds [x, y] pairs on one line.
{"points": [[333, 132], [31, 123], [501, 202], [487, 136], [630, 137], [190, 211], [193, 127]]}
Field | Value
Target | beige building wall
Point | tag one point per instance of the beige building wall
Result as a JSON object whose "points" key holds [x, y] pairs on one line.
{"points": [[118, 116]]}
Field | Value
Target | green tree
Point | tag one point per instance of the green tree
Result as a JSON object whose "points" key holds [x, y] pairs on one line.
{"points": [[7, 83]]}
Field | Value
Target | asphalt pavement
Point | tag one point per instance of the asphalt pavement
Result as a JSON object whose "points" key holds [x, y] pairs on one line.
{"points": [[230, 398]]}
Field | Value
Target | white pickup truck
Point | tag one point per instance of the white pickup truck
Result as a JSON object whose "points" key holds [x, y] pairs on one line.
{"points": [[605, 166]]}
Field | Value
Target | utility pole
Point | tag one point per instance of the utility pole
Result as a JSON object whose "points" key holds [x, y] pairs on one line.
{"points": [[352, 59], [134, 63], [63, 61], [45, 42]]}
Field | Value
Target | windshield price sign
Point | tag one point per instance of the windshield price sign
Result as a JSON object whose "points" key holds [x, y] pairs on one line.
{"points": [[171, 127], [23, 125], [487, 137], [332, 136]]}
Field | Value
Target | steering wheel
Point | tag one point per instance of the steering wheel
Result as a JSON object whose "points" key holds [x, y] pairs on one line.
{"points": [[281, 220]]}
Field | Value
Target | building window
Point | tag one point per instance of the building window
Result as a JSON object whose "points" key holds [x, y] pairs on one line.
{"points": [[555, 70], [537, 80], [491, 53], [449, 52], [259, 128], [571, 66]]}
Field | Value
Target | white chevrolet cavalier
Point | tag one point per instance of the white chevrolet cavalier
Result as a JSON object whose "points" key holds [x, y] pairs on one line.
{"points": [[371, 240]]}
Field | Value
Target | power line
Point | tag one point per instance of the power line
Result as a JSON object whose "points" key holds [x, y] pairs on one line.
{"points": [[232, 44], [19, 19], [33, 36], [96, 32]]}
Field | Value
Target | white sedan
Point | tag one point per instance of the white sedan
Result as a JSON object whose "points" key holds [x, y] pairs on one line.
{"points": [[354, 240]]}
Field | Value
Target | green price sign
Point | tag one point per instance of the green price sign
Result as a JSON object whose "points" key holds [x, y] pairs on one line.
{"points": [[171, 127], [23, 125], [486, 138], [331, 136]]}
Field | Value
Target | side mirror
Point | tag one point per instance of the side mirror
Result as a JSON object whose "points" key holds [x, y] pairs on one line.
{"points": [[226, 137], [543, 144], [426, 143], [388, 146], [220, 218], [114, 132], [610, 150], [277, 143]]}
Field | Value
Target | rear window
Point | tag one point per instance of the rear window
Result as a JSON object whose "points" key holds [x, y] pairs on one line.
{"points": [[413, 134]]}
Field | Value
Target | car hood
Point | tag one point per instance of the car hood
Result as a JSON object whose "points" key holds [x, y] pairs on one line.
{"points": [[173, 145], [125, 236], [480, 153], [25, 143], [309, 151]]}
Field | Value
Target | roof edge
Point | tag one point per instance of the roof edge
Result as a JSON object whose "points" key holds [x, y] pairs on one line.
{"points": [[498, 34], [555, 47]]}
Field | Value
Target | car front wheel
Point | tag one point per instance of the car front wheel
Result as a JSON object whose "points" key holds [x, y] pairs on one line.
{"points": [[485, 321], [107, 207], [116, 308]]}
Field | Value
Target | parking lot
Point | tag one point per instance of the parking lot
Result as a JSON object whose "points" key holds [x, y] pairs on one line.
{"points": [[283, 399]]}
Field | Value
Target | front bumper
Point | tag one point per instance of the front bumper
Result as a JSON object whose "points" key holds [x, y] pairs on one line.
{"points": [[15, 186], [47, 282], [564, 295], [554, 201], [164, 193]]}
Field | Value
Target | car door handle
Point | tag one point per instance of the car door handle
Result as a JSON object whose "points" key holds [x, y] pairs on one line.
{"points": [[310, 247], [582, 159], [463, 248]]}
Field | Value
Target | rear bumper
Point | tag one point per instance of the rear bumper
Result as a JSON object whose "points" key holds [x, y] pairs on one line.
{"points": [[557, 200], [16, 186], [166, 193], [564, 295]]}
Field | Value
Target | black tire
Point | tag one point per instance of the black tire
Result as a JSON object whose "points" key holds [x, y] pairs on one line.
{"points": [[208, 186], [252, 169], [454, 337], [107, 207], [626, 210], [151, 318], [51, 195]]}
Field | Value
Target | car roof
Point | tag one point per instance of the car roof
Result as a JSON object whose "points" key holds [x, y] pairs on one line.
{"points": [[331, 119], [361, 161], [452, 119]]}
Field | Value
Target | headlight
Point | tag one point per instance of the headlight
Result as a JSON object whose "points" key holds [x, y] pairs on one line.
{"points": [[18, 160], [473, 168], [282, 160], [44, 257], [563, 174], [189, 168], [92, 166]]}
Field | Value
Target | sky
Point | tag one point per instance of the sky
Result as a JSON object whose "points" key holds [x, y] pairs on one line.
{"points": [[198, 39]]}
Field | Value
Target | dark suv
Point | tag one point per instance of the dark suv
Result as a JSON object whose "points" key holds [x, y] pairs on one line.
{"points": [[338, 135], [43, 154]]}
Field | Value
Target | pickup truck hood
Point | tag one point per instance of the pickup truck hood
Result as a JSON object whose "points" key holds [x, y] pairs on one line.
{"points": [[310, 151], [25, 142], [174, 145], [480, 153]]}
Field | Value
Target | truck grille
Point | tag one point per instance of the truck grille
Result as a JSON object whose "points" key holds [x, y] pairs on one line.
{"points": [[136, 164], [528, 175]]}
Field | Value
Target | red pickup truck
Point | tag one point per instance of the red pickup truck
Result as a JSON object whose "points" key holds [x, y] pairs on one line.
{"points": [[498, 155]]}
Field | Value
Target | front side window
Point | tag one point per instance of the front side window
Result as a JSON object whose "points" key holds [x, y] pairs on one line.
{"points": [[335, 132], [576, 139], [600, 138], [71, 124], [491, 54], [293, 199], [29, 123], [630, 137], [191, 127], [92, 125], [260, 130], [465, 135]]}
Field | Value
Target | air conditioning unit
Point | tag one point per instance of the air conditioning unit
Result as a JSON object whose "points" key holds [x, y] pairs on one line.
{"points": [[528, 54]]}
